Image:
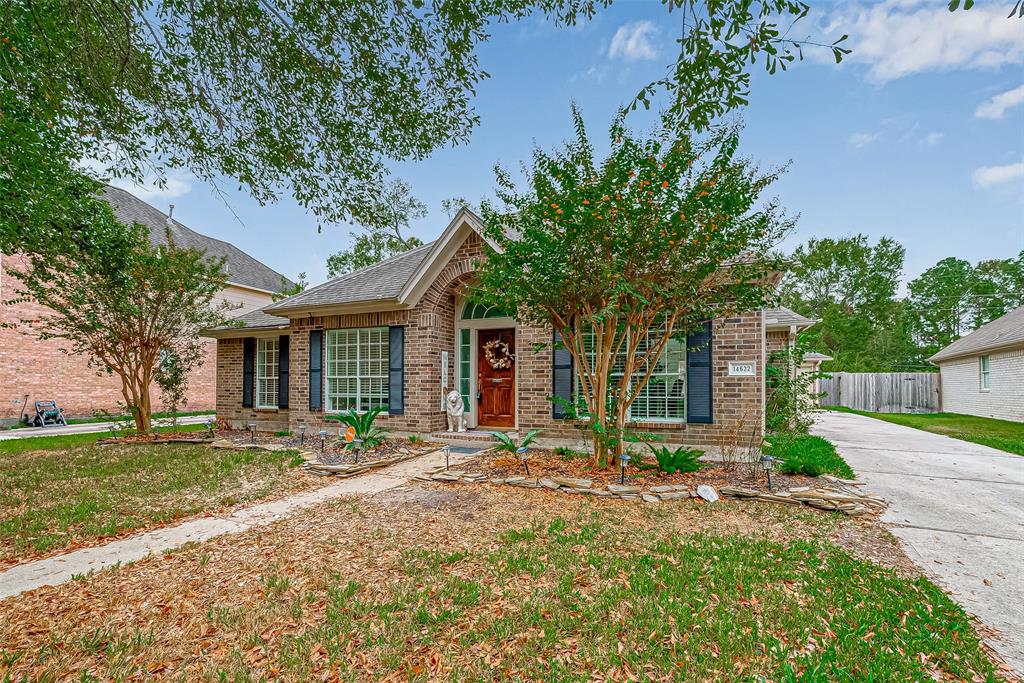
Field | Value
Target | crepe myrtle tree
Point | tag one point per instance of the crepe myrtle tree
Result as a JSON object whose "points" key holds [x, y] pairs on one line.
{"points": [[621, 255], [124, 303]]}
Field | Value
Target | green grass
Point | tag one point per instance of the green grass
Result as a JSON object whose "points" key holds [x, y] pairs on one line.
{"points": [[114, 418], [75, 490], [61, 441], [567, 599], [1002, 434], [806, 454]]}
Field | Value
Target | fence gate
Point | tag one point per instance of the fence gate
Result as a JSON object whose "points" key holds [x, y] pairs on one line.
{"points": [[882, 392]]}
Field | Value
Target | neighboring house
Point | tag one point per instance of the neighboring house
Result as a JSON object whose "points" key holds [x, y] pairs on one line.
{"points": [[32, 370], [397, 333], [983, 372]]}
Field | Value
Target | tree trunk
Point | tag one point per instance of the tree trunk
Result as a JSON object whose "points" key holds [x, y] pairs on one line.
{"points": [[137, 397]]}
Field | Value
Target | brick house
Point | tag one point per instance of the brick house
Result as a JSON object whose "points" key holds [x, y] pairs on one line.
{"points": [[32, 370], [982, 373], [399, 332]]}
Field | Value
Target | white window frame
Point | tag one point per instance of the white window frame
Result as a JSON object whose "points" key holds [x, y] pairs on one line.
{"points": [[268, 366], [985, 372], [675, 346], [363, 371]]}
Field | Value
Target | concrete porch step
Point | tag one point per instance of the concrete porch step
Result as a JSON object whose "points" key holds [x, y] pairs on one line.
{"points": [[476, 438]]}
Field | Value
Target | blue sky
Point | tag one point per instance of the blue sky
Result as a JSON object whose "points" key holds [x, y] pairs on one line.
{"points": [[917, 136]]}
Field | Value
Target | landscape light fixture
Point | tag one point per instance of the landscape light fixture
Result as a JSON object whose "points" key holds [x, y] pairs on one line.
{"points": [[302, 434], [323, 440], [447, 454], [252, 431], [357, 445], [522, 456], [623, 461], [768, 462]]}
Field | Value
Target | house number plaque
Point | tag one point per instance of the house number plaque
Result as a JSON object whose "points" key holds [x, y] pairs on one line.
{"points": [[743, 368]]}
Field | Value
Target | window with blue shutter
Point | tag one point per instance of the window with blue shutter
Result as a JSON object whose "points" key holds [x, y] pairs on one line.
{"points": [[699, 402]]}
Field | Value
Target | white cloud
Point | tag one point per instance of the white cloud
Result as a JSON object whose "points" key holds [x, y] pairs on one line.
{"points": [[858, 140], [902, 37], [175, 184], [932, 138], [989, 176], [633, 42], [595, 74], [995, 108]]}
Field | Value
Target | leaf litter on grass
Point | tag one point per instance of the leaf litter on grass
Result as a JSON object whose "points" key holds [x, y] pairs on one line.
{"points": [[488, 584]]}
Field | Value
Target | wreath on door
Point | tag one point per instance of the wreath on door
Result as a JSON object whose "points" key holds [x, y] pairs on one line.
{"points": [[498, 354]]}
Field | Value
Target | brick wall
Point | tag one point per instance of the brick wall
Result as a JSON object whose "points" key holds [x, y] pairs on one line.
{"points": [[430, 330], [961, 386], [43, 371], [229, 392], [737, 401]]}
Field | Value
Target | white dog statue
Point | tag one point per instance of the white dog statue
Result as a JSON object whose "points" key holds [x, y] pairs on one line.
{"points": [[456, 411]]}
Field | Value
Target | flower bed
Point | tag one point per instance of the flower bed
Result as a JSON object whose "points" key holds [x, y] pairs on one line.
{"points": [[545, 469]]}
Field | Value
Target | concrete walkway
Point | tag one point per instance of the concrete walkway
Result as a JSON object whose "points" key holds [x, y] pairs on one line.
{"points": [[88, 428], [57, 570], [958, 508]]}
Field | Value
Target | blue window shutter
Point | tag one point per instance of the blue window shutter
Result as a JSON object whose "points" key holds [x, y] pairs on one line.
{"points": [[248, 370], [562, 376], [316, 369], [699, 408], [282, 371], [396, 370]]}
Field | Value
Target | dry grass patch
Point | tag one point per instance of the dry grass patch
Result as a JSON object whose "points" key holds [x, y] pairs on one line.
{"points": [[427, 582], [61, 498]]}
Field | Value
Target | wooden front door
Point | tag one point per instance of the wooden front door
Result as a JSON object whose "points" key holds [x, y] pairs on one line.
{"points": [[496, 386]]}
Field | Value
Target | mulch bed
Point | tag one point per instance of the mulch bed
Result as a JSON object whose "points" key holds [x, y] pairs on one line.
{"points": [[333, 452], [645, 473]]}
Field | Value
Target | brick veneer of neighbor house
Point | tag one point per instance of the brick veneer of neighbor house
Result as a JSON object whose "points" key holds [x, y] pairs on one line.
{"points": [[1003, 400], [430, 330]]}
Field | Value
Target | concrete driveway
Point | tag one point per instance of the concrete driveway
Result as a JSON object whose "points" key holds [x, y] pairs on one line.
{"points": [[958, 508]]}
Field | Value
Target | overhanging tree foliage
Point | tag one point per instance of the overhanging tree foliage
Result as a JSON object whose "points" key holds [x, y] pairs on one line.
{"points": [[123, 302], [311, 97], [621, 255]]}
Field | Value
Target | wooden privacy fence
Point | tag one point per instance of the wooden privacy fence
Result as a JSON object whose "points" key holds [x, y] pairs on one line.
{"points": [[882, 392]]}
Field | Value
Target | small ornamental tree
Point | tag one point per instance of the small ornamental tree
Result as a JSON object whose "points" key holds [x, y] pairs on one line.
{"points": [[622, 255], [123, 302]]}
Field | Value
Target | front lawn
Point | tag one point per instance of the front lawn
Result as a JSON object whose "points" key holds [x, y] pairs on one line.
{"points": [[77, 491], [806, 454], [432, 583], [1002, 434]]}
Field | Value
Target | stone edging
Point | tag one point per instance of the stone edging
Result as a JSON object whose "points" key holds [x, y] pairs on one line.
{"points": [[837, 494]]}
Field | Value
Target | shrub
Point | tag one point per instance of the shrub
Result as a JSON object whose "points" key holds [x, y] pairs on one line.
{"points": [[507, 443], [415, 439], [806, 454], [363, 424], [681, 459]]}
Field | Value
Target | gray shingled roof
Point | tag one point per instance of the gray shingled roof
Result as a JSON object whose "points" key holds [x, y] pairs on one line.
{"points": [[381, 281], [253, 320], [783, 317], [242, 269], [1000, 333]]}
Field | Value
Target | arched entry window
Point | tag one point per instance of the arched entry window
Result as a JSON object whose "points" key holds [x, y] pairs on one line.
{"points": [[478, 311]]}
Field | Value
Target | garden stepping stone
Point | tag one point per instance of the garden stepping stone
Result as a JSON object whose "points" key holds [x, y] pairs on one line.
{"points": [[674, 495], [622, 488], [572, 483], [549, 483], [708, 493], [648, 498]]}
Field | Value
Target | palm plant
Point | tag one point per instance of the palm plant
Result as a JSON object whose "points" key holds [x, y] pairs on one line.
{"points": [[507, 443], [362, 423]]}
